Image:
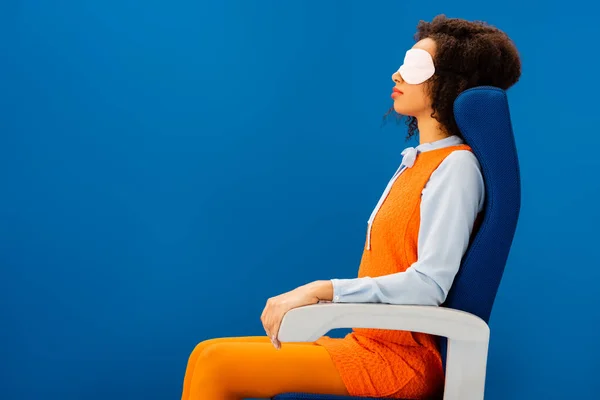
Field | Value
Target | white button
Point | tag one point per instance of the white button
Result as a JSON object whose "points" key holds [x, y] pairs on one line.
{"points": [[337, 297]]}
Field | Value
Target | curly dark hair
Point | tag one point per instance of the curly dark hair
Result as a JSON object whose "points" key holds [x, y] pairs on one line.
{"points": [[468, 54]]}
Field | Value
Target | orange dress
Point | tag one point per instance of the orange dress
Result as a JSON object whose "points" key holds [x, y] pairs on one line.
{"points": [[389, 363]]}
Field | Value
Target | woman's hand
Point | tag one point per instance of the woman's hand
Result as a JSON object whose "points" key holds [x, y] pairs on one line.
{"points": [[277, 306]]}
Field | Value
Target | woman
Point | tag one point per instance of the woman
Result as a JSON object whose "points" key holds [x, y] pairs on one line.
{"points": [[415, 240]]}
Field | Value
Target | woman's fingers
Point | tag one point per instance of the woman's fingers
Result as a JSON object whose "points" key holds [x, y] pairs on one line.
{"points": [[267, 320], [271, 325], [274, 328], [271, 319]]}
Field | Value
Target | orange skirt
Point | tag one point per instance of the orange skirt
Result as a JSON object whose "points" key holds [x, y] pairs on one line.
{"points": [[387, 363]]}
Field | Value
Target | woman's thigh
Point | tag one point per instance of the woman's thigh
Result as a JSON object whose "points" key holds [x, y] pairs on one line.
{"points": [[235, 369]]}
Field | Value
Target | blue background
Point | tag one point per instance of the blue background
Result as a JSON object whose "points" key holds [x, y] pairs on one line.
{"points": [[168, 166]]}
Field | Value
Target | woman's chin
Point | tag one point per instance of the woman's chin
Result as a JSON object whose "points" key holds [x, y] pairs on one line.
{"points": [[401, 110]]}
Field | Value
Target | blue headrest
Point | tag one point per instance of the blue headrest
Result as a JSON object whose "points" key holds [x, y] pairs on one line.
{"points": [[483, 117]]}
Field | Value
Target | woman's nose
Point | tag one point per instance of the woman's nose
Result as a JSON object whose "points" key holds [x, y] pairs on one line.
{"points": [[396, 77]]}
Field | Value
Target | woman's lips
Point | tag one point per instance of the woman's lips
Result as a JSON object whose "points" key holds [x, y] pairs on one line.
{"points": [[396, 92]]}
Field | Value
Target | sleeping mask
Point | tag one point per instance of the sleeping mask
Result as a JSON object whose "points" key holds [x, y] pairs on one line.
{"points": [[418, 67]]}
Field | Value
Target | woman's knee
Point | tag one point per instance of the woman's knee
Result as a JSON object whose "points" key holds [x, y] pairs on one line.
{"points": [[214, 361], [201, 346], [212, 352], [209, 342], [212, 377]]}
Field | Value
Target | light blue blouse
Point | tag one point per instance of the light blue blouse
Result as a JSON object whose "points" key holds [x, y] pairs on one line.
{"points": [[450, 202]]}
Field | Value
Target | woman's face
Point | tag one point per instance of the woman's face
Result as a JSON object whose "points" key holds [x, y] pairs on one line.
{"points": [[413, 100]]}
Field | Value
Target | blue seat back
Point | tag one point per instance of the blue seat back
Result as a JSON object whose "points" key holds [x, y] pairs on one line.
{"points": [[483, 117]]}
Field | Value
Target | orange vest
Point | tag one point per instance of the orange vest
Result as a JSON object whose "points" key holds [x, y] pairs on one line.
{"points": [[389, 363]]}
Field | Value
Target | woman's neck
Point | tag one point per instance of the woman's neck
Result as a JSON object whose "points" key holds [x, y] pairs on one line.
{"points": [[430, 130]]}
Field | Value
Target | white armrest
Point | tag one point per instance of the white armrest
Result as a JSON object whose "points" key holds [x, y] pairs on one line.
{"points": [[307, 324], [468, 335]]}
